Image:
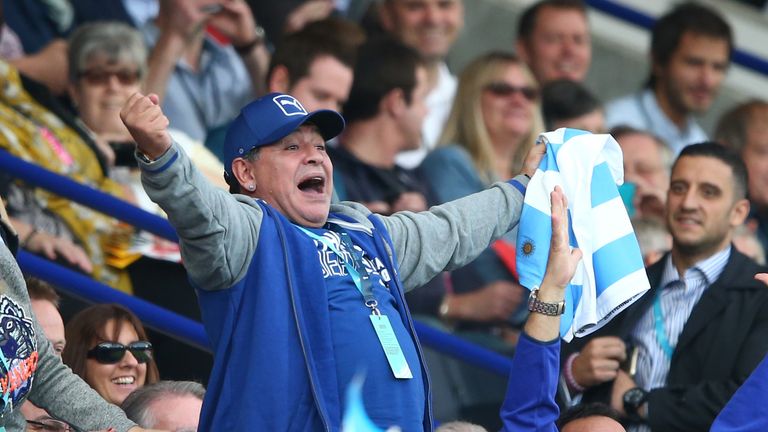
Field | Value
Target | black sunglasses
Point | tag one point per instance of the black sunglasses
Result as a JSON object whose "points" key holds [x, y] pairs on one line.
{"points": [[113, 352], [102, 77], [504, 89]]}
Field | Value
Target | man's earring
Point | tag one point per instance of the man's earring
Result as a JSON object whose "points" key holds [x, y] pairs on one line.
{"points": [[251, 187]]}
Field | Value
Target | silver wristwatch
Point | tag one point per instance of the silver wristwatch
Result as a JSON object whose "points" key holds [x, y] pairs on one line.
{"points": [[538, 306]]}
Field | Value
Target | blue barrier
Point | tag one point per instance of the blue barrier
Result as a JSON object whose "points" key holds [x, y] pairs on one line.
{"points": [[463, 350], [86, 195], [632, 16], [81, 286], [157, 317]]}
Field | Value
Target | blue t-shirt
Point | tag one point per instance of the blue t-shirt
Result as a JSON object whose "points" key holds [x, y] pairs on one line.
{"points": [[388, 401]]}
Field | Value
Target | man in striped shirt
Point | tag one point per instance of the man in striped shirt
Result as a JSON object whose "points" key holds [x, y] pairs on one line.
{"points": [[703, 326]]}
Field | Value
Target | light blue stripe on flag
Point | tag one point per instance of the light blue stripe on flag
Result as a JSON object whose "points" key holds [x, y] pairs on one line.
{"points": [[570, 133], [615, 260], [588, 168], [572, 298], [603, 186]]}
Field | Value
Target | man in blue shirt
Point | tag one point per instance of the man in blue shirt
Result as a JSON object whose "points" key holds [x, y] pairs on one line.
{"points": [[690, 52], [297, 295]]}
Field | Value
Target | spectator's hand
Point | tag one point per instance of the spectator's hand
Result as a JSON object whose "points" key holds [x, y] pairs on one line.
{"points": [[411, 201], [235, 21], [184, 18], [53, 247], [533, 159], [147, 124], [309, 11], [599, 361], [649, 201], [494, 302], [562, 261], [46, 66], [762, 277], [621, 384]]}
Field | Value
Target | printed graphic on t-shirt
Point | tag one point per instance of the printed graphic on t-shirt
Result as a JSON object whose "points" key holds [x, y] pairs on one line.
{"points": [[333, 265], [18, 354]]}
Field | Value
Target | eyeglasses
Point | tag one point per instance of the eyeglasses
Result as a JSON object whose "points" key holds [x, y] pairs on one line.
{"points": [[49, 424], [504, 89], [113, 352], [126, 77]]}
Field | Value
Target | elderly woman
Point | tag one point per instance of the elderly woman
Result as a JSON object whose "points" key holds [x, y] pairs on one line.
{"points": [[108, 348], [107, 64], [494, 121]]}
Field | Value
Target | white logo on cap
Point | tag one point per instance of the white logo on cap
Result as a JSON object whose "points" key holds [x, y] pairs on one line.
{"points": [[289, 105]]}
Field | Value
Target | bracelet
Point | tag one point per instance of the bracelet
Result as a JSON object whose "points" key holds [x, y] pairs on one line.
{"points": [[247, 47], [568, 375], [28, 238]]}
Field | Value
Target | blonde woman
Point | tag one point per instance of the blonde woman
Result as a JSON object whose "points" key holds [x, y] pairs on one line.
{"points": [[494, 121]]}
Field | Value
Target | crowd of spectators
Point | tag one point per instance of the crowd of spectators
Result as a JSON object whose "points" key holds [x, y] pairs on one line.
{"points": [[418, 134]]}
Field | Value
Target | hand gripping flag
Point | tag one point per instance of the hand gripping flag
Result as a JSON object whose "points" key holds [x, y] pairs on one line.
{"points": [[611, 274]]}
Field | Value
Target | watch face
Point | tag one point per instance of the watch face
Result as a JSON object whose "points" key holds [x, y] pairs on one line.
{"points": [[634, 397]]}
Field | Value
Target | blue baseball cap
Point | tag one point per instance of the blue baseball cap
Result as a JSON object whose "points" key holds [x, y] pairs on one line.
{"points": [[271, 118]]}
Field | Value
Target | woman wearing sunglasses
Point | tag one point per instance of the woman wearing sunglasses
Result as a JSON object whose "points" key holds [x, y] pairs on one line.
{"points": [[108, 348], [494, 121]]}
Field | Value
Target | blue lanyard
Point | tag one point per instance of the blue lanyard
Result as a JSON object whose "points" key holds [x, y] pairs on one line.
{"points": [[661, 330], [355, 268]]}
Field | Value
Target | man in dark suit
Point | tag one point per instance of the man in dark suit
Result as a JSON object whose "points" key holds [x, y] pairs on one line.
{"points": [[702, 328]]}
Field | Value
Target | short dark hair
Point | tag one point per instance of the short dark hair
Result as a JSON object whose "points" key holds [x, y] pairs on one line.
{"points": [[38, 289], [527, 22], [585, 410], [565, 99], [383, 64], [332, 37], [686, 18], [137, 405], [725, 155]]}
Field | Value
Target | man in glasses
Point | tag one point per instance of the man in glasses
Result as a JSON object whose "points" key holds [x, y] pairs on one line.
{"points": [[31, 370], [297, 295]]}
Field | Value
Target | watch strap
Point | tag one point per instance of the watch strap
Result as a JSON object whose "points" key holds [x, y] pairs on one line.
{"points": [[544, 308], [633, 399]]}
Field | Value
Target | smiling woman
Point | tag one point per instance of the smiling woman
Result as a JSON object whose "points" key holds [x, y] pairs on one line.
{"points": [[107, 347]]}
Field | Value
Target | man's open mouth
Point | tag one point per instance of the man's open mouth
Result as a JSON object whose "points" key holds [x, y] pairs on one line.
{"points": [[312, 184]]}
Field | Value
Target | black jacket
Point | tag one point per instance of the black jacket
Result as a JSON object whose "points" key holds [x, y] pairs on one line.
{"points": [[724, 339]]}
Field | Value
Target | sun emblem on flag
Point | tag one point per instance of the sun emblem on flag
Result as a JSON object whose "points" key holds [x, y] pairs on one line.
{"points": [[528, 247]]}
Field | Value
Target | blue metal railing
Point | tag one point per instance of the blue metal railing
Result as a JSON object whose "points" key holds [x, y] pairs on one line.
{"points": [[81, 286], [640, 19], [88, 196], [156, 317]]}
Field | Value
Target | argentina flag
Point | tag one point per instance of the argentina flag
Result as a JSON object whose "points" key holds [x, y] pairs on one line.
{"points": [[611, 274]]}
